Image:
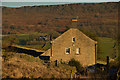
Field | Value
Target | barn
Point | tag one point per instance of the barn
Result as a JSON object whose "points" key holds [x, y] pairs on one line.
{"points": [[73, 44]]}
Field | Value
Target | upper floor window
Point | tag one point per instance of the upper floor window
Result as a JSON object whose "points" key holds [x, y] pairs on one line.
{"points": [[67, 51], [78, 51], [73, 39]]}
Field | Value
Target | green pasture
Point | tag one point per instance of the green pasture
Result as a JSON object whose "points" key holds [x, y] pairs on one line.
{"points": [[106, 47], [23, 39]]}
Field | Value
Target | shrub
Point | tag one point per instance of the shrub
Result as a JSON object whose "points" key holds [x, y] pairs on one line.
{"points": [[77, 64], [95, 15], [115, 64], [12, 27], [9, 40], [53, 77]]}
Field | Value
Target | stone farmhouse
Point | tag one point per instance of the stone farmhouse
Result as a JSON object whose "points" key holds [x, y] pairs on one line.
{"points": [[73, 44]]}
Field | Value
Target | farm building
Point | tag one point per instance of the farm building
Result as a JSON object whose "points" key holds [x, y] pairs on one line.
{"points": [[73, 44]]}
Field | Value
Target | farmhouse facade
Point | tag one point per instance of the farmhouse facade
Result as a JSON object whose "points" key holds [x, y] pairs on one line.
{"points": [[73, 44]]}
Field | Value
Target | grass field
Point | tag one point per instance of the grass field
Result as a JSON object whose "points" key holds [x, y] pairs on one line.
{"points": [[32, 40], [106, 48]]}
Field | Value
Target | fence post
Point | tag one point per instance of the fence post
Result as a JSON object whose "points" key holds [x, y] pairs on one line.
{"points": [[71, 75], [107, 64]]}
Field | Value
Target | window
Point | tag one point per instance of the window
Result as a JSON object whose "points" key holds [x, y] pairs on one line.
{"points": [[73, 39], [67, 51], [78, 51]]}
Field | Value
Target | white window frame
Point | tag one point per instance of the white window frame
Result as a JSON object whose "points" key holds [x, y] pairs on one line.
{"points": [[78, 51], [66, 51]]}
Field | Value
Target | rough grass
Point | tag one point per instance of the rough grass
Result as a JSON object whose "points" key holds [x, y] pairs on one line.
{"points": [[24, 35], [101, 62], [28, 58], [67, 67], [34, 46], [9, 55], [39, 47], [22, 65], [106, 47]]}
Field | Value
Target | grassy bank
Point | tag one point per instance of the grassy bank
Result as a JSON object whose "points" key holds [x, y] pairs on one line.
{"points": [[106, 47]]}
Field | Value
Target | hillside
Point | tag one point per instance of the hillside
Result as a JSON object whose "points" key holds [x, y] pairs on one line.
{"points": [[16, 65], [35, 26], [98, 18]]}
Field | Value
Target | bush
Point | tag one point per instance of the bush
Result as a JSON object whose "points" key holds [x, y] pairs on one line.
{"points": [[115, 64], [53, 77], [77, 64], [12, 27], [96, 15]]}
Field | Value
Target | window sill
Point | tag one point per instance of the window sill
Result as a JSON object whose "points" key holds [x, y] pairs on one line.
{"points": [[67, 53]]}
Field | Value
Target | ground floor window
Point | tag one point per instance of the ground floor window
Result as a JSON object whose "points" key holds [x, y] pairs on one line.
{"points": [[78, 51], [67, 50]]}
